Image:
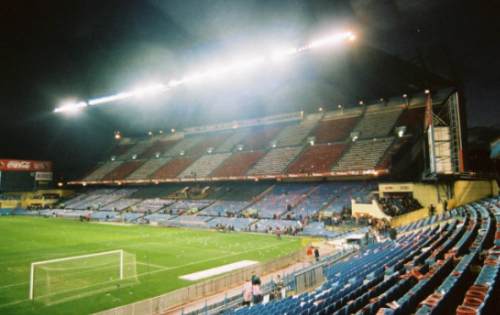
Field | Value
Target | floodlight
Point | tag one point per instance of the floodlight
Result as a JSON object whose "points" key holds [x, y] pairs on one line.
{"points": [[240, 65], [111, 98], [285, 54], [148, 89], [71, 107], [354, 136], [331, 40], [400, 131]]}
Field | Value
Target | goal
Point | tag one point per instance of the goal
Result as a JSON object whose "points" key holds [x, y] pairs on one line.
{"points": [[64, 278]]}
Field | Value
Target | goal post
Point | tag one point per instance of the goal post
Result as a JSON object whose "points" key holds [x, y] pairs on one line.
{"points": [[81, 274]]}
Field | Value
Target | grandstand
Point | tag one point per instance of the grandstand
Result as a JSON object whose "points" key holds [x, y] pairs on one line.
{"points": [[365, 141]]}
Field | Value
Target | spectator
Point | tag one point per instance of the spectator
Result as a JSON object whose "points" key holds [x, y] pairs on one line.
{"points": [[316, 253], [278, 285], [247, 293], [255, 279], [432, 210], [256, 293]]}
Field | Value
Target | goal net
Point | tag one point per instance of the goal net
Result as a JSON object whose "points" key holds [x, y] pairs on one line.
{"points": [[62, 279]]}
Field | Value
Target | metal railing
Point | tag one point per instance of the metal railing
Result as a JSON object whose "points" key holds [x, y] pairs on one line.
{"points": [[174, 299]]}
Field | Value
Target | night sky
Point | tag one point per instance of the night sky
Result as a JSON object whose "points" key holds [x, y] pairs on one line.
{"points": [[53, 51]]}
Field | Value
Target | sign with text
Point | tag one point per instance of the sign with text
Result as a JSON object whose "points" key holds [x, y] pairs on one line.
{"points": [[25, 165]]}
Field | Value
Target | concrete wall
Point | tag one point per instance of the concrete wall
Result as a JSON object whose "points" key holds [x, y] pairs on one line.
{"points": [[368, 209], [469, 191]]}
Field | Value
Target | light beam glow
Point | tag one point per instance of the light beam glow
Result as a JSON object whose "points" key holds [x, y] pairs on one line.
{"points": [[238, 66]]}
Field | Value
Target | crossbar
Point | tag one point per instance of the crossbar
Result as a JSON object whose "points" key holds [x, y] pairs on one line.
{"points": [[32, 271]]}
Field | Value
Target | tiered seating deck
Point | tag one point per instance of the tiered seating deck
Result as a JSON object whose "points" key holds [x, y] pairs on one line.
{"points": [[210, 141], [158, 147], [319, 198], [329, 131], [296, 134], [139, 147], [223, 208], [275, 161], [363, 155], [237, 164], [121, 204], [102, 170], [123, 170], [182, 206], [121, 149], [148, 168], [318, 158], [260, 138], [152, 205], [172, 168], [205, 165], [378, 124], [233, 140], [183, 145], [275, 202]]}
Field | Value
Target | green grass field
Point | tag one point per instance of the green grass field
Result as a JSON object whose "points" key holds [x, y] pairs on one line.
{"points": [[162, 256]]}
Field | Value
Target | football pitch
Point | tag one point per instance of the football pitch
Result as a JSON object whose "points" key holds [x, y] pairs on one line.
{"points": [[161, 256]]}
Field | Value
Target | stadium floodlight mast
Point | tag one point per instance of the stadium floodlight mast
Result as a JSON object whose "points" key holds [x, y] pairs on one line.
{"points": [[238, 66]]}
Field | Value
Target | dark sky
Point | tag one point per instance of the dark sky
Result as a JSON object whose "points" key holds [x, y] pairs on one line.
{"points": [[55, 50]]}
